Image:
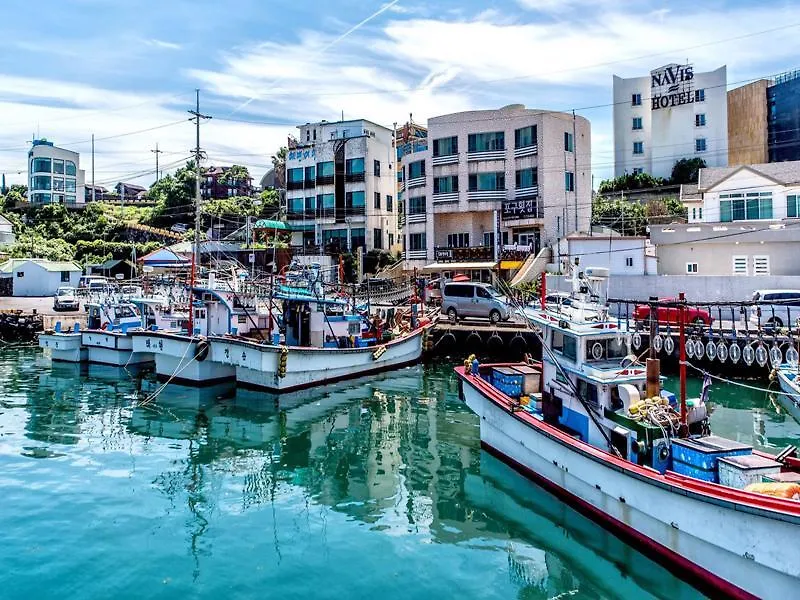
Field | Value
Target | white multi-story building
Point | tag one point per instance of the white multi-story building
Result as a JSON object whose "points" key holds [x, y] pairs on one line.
{"points": [[493, 178], [340, 186], [671, 114], [54, 175]]}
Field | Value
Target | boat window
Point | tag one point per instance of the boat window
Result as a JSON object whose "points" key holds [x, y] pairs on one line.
{"points": [[558, 341], [570, 349], [588, 392], [123, 312], [608, 349]]}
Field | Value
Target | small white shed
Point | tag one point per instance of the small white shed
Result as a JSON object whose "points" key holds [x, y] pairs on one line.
{"points": [[39, 277]]}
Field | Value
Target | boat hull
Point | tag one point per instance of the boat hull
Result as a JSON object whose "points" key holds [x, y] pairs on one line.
{"points": [[790, 399], [257, 365], [719, 545], [113, 348], [177, 359], [64, 347]]}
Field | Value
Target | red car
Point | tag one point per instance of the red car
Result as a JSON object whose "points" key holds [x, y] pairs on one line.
{"points": [[696, 316]]}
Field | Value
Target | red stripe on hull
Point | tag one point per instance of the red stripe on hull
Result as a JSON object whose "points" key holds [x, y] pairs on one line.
{"points": [[703, 580]]}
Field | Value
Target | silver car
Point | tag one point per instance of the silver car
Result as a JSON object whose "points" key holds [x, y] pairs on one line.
{"points": [[776, 308], [468, 299]]}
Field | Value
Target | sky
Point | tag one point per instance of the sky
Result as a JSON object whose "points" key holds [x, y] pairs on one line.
{"points": [[126, 72]]}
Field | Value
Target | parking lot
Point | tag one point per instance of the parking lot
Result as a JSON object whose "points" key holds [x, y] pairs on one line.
{"points": [[42, 305]]}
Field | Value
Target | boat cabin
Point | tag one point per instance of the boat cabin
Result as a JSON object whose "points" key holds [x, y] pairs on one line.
{"points": [[119, 316]]}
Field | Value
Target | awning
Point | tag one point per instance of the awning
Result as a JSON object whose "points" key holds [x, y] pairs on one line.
{"points": [[458, 266], [271, 224], [510, 264]]}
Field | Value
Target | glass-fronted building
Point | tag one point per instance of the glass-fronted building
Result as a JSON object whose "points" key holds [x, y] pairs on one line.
{"points": [[54, 175], [783, 118]]}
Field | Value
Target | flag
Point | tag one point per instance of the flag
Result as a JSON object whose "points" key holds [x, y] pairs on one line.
{"points": [[706, 388]]}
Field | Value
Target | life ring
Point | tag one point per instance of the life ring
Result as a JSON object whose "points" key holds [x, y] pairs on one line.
{"points": [[201, 350], [597, 350]]}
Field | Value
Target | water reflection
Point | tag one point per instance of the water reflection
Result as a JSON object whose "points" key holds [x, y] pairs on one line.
{"points": [[370, 487]]}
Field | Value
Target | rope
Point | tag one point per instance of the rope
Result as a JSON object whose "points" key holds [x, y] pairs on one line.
{"points": [[739, 383], [178, 370]]}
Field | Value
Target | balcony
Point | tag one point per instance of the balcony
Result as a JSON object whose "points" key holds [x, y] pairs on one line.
{"points": [[416, 254], [301, 215], [526, 151], [449, 159], [416, 182], [324, 179], [416, 217], [476, 195], [522, 208], [446, 197], [475, 253], [309, 183], [294, 185], [353, 177], [486, 155]]}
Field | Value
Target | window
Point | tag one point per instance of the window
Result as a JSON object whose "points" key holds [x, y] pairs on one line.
{"points": [[377, 238], [389, 203], [694, 214], [416, 169], [700, 95], [752, 206], [325, 169], [295, 175], [792, 206], [740, 265], [58, 184], [628, 261], [295, 205], [700, 145], [358, 237], [308, 135], [569, 181], [636, 100], [700, 213], [525, 137], [638, 147], [326, 202], [487, 181], [20, 274], [445, 146], [391, 241], [637, 123], [311, 173], [691, 268], [64, 276], [445, 185], [459, 290], [376, 168], [42, 165], [569, 348], [70, 168], [416, 241], [71, 199], [458, 240], [638, 170], [526, 178], [761, 265], [569, 142], [377, 200], [488, 239], [42, 182], [486, 142], [700, 120], [416, 206], [58, 166], [311, 204], [354, 166], [355, 200]]}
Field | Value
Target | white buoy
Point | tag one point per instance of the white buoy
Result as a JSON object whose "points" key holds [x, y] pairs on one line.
{"points": [[657, 343], [748, 355], [735, 353], [711, 350], [722, 351], [669, 344], [699, 349]]}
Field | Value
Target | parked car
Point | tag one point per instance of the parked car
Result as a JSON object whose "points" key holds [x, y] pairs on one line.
{"points": [[179, 228], [470, 299], [776, 308], [65, 299], [694, 315], [86, 281]]}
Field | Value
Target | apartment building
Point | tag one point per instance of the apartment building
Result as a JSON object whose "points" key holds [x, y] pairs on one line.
{"points": [[217, 184], [54, 175], [490, 179], [340, 186]]}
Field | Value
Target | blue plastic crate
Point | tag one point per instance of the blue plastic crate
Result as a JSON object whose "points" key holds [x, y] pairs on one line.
{"points": [[681, 468], [704, 452]]}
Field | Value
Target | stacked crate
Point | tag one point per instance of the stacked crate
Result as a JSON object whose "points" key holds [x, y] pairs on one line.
{"points": [[698, 457], [508, 380]]}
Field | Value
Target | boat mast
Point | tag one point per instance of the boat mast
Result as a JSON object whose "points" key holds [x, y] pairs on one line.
{"points": [[196, 247], [682, 343]]}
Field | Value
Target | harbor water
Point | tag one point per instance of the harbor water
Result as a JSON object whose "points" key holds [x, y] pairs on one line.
{"points": [[375, 488]]}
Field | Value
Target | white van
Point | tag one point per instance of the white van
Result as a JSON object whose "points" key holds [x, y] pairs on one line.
{"points": [[776, 308]]}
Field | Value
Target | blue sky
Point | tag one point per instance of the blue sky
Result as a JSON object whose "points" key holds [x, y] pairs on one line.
{"points": [[73, 68]]}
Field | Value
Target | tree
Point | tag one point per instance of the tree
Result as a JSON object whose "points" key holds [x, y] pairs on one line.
{"points": [[279, 164], [236, 174], [630, 181], [270, 201], [174, 195], [628, 218], [687, 170]]}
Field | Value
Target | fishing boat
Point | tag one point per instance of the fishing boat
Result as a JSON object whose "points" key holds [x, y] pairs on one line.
{"points": [[595, 428], [107, 340], [323, 344], [64, 345], [789, 399]]}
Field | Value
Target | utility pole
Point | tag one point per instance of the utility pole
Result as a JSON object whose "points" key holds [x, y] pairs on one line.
{"points": [[157, 152], [198, 116], [93, 188], [575, 168]]}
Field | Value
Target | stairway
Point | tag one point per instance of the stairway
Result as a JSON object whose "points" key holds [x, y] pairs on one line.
{"points": [[533, 266]]}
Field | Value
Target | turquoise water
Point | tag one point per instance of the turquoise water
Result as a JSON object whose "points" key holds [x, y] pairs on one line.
{"points": [[372, 489]]}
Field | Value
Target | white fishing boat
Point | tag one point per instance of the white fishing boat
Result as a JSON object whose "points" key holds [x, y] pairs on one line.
{"points": [[64, 345], [107, 340], [787, 375], [323, 344], [597, 431]]}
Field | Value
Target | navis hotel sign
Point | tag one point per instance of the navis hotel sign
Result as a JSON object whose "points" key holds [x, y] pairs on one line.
{"points": [[671, 86]]}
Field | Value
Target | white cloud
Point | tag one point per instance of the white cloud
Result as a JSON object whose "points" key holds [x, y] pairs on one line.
{"points": [[162, 44]]}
